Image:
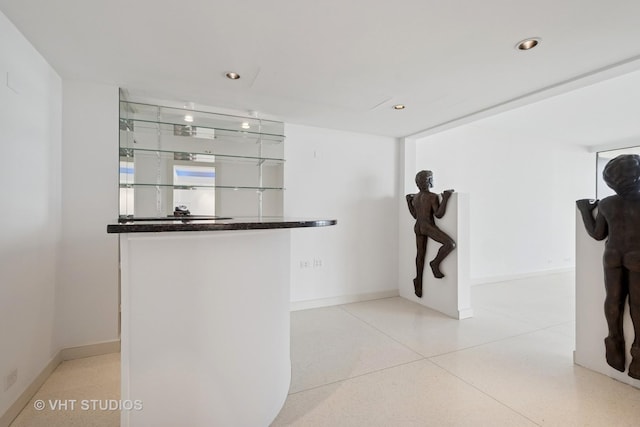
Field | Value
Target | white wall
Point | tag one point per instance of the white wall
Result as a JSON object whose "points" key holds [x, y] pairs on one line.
{"points": [[87, 295], [350, 177], [30, 135], [522, 196]]}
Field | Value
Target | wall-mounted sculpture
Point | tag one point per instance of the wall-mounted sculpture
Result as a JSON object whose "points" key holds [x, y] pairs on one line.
{"points": [[424, 206], [618, 219]]}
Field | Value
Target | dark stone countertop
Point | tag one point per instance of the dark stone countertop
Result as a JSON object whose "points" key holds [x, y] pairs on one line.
{"points": [[148, 225]]}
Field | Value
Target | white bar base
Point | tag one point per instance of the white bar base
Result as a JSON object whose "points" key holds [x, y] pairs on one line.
{"points": [[205, 327]]}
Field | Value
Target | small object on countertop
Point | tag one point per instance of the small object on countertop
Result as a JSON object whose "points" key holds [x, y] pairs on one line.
{"points": [[181, 210]]}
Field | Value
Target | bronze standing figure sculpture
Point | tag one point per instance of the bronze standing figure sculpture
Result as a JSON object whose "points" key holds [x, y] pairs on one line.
{"points": [[424, 206], [618, 219]]}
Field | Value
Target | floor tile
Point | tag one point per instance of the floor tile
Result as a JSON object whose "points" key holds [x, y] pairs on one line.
{"points": [[415, 394], [329, 344], [568, 329], [534, 374], [77, 382], [431, 333], [542, 300]]}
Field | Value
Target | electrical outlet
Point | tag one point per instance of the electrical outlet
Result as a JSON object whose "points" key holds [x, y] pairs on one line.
{"points": [[11, 379], [305, 264]]}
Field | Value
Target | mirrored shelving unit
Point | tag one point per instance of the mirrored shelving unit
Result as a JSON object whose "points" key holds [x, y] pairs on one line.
{"points": [[214, 164]]}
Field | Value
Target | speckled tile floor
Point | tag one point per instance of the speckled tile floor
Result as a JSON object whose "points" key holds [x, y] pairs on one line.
{"points": [[391, 362], [72, 383]]}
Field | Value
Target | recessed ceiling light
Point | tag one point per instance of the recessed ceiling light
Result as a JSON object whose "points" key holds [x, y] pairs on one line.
{"points": [[398, 107], [188, 118], [233, 76], [245, 125], [527, 44]]}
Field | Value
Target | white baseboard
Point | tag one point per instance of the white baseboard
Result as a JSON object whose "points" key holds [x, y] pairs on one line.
{"points": [[345, 299], [465, 313], [30, 391], [62, 355], [495, 279], [89, 350]]}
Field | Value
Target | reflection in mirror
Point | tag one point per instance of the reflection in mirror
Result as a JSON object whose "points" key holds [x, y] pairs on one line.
{"points": [[214, 164], [126, 191], [194, 187], [603, 157]]}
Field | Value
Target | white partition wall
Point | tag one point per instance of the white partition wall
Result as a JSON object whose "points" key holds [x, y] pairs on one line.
{"points": [[451, 294], [591, 325]]}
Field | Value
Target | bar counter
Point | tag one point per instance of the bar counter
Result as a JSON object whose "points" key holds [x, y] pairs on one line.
{"points": [[195, 223], [205, 319]]}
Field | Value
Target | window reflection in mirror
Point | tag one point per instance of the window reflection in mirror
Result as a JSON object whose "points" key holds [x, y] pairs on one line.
{"points": [[126, 191], [195, 188]]}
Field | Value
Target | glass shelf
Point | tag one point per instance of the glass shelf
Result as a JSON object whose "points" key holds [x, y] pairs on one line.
{"points": [[199, 156], [153, 200], [162, 137], [192, 131], [196, 187], [244, 127]]}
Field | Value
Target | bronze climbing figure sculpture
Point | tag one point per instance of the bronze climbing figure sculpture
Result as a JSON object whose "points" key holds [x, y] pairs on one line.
{"points": [[618, 219], [424, 206]]}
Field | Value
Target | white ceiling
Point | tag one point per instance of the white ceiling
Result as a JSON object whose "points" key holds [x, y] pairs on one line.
{"points": [[602, 115], [343, 64]]}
